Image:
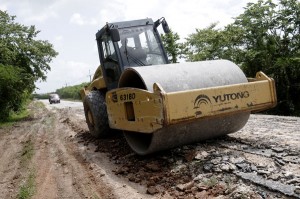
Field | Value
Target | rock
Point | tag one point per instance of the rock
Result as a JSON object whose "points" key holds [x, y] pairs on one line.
{"points": [[153, 166], [152, 190], [224, 167], [278, 149], [294, 181], [202, 155], [208, 166], [66, 171], [122, 170], [202, 194], [217, 169], [185, 147], [263, 172], [202, 176], [241, 191], [232, 167], [280, 162], [186, 186], [202, 186], [227, 167], [194, 189], [236, 160], [131, 178], [189, 156], [275, 176], [253, 167], [288, 174], [151, 183], [225, 158], [91, 167], [216, 160], [97, 149], [244, 167]]}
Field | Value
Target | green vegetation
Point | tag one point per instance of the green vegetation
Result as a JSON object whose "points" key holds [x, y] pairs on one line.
{"points": [[15, 117], [27, 152], [266, 37], [71, 92], [211, 182], [172, 46], [23, 60], [41, 96], [68, 92], [27, 189]]}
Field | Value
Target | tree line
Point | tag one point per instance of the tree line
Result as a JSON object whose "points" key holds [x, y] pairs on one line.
{"points": [[265, 37], [23, 61], [68, 92], [71, 92]]}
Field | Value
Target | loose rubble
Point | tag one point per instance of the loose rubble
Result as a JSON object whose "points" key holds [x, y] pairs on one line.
{"points": [[227, 167]]}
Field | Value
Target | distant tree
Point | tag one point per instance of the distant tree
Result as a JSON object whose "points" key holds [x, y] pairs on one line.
{"points": [[265, 37], [23, 60], [172, 45], [71, 92], [271, 43], [205, 44], [11, 93], [211, 43]]}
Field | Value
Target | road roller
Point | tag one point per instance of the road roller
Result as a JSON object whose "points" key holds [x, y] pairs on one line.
{"points": [[159, 105]]}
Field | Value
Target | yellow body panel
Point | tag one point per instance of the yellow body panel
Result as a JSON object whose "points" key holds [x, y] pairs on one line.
{"points": [[130, 108], [138, 110], [98, 82], [209, 102]]}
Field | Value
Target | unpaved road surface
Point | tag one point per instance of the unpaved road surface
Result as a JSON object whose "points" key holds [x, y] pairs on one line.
{"points": [[53, 154]]}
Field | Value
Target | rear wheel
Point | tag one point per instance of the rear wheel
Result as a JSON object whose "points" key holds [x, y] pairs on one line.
{"points": [[96, 114]]}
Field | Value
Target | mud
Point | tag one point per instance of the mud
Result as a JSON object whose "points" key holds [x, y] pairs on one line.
{"points": [[260, 161]]}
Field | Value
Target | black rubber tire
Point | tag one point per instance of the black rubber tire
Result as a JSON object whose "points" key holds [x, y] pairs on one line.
{"points": [[94, 103]]}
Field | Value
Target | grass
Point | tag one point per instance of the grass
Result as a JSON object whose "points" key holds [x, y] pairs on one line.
{"points": [[72, 99], [95, 196], [211, 182], [21, 115], [15, 117], [28, 188], [39, 104], [27, 153]]}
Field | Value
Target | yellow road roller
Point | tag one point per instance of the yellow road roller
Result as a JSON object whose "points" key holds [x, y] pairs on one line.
{"points": [[160, 105]]}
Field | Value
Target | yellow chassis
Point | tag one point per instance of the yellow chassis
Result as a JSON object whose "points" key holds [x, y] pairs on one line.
{"points": [[133, 109]]}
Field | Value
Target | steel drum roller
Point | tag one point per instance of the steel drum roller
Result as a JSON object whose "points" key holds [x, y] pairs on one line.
{"points": [[182, 77]]}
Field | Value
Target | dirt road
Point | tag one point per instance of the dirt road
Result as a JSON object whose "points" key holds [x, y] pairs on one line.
{"points": [[52, 155]]}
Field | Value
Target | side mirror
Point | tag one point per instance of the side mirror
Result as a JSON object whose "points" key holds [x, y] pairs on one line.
{"points": [[165, 26], [115, 35]]}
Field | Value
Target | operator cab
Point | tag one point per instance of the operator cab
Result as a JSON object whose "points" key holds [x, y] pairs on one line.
{"points": [[129, 44]]}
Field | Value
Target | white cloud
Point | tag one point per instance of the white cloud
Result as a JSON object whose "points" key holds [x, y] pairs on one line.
{"points": [[70, 25], [58, 42], [3, 7], [77, 19], [32, 11], [41, 17], [65, 73]]}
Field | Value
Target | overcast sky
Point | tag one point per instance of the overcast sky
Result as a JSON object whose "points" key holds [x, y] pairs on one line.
{"points": [[71, 25]]}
